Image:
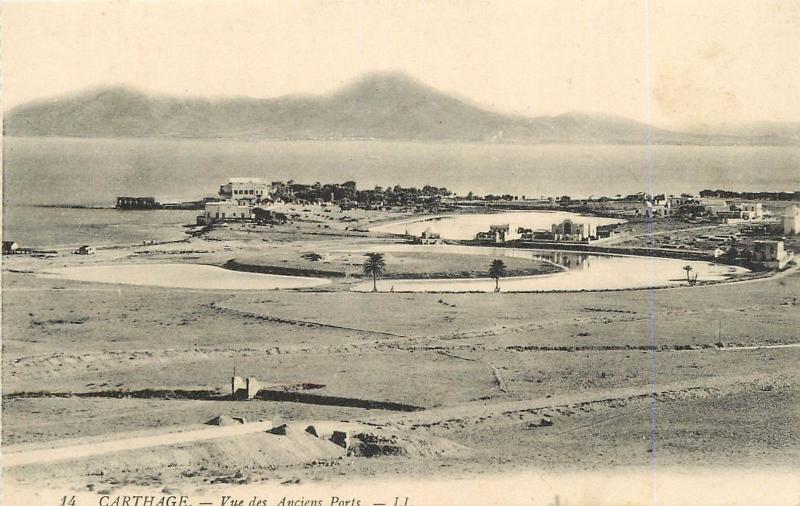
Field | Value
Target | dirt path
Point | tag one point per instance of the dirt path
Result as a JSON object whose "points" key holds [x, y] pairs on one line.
{"points": [[12, 458], [477, 410], [759, 347], [303, 323]]}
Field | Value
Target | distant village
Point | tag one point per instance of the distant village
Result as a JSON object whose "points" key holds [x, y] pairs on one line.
{"points": [[763, 219]]}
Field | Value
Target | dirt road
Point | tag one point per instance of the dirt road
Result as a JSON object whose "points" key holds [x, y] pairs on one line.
{"points": [[477, 410], [12, 458]]}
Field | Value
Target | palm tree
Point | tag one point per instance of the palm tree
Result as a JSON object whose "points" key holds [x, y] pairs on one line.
{"points": [[497, 270], [374, 266], [688, 269]]}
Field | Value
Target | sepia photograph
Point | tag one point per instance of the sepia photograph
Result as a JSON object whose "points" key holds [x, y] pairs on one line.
{"points": [[400, 253]]}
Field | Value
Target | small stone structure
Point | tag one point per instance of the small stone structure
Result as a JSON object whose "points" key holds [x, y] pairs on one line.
{"points": [[340, 438], [85, 250], [771, 254], [225, 421], [244, 388], [280, 430]]}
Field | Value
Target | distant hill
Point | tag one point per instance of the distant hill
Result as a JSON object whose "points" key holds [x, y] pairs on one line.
{"points": [[385, 106], [758, 132]]}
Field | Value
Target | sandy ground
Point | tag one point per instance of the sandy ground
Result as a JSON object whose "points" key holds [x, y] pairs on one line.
{"points": [[695, 376]]}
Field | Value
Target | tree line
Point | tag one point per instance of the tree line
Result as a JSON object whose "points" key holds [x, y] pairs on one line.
{"points": [[727, 194]]}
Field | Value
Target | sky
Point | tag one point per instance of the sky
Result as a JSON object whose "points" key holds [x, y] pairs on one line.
{"points": [[674, 63]]}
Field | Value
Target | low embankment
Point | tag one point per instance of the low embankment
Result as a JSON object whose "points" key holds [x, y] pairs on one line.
{"points": [[233, 265], [211, 395]]}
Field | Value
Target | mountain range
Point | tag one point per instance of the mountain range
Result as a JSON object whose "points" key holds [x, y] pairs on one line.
{"points": [[381, 106]]}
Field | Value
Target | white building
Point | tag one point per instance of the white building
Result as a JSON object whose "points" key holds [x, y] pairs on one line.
{"points": [[569, 230], [429, 237], [752, 211], [714, 206], [771, 254], [499, 233], [250, 189], [791, 220], [737, 213], [224, 211]]}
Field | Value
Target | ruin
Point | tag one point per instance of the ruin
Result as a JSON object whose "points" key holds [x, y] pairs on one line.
{"points": [[243, 389], [280, 430], [340, 438]]}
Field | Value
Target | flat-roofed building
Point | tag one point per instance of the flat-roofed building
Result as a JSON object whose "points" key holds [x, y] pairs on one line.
{"points": [[137, 203], [224, 211], [499, 233], [251, 189], [752, 210]]}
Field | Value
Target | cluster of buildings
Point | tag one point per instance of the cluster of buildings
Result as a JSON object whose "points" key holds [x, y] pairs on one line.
{"points": [[240, 196], [567, 231], [719, 210], [348, 196], [763, 244], [238, 199], [685, 206]]}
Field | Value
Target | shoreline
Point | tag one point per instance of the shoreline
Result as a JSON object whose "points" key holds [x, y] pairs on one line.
{"points": [[233, 265]]}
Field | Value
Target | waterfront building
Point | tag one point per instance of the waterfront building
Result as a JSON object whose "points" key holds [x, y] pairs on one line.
{"points": [[499, 233], [127, 203], [531, 234], [245, 189], [607, 231], [429, 237], [224, 211], [569, 230]]}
